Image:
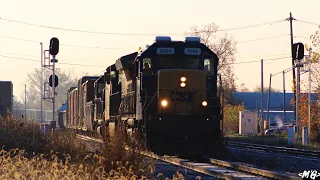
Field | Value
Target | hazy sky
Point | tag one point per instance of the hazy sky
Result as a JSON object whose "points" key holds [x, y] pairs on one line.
{"points": [[148, 17]]}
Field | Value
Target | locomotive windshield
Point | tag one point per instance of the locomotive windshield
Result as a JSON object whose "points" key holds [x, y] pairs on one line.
{"points": [[173, 62]]}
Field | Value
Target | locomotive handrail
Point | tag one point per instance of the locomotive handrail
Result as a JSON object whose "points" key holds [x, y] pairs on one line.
{"points": [[145, 110]]}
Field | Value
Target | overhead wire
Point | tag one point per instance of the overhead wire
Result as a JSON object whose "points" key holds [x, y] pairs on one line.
{"points": [[34, 60], [271, 37], [306, 22], [246, 62], [71, 45], [98, 47], [132, 34], [112, 33]]}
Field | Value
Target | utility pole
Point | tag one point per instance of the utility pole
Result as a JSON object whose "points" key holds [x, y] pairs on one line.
{"points": [[293, 67], [262, 94], [309, 95], [25, 104], [267, 119], [284, 95]]}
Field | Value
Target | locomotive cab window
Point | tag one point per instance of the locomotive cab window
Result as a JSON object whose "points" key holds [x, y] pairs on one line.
{"points": [[208, 62], [113, 75], [147, 67], [100, 89]]}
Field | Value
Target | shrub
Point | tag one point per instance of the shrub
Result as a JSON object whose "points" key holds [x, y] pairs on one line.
{"points": [[29, 154]]}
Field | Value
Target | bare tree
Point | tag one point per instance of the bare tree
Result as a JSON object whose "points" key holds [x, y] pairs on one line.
{"points": [[225, 48], [265, 89], [34, 88], [16, 103], [243, 88]]}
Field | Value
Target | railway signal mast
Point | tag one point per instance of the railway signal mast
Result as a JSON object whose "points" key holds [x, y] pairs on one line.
{"points": [[53, 80], [297, 56]]}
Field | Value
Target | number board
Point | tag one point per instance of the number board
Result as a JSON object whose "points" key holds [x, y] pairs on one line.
{"points": [[182, 96], [192, 51], [165, 50]]}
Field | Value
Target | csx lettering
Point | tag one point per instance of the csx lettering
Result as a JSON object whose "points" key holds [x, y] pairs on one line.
{"points": [[182, 96]]}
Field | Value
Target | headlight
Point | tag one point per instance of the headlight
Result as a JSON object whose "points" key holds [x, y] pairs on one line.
{"points": [[164, 103], [204, 103], [183, 84]]}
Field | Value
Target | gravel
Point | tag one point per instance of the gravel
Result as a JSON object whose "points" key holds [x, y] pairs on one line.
{"points": [[284, 164], [169, 170]]}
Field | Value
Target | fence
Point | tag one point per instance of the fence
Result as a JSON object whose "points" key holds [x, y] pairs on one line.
{"points": [[33, 114]]}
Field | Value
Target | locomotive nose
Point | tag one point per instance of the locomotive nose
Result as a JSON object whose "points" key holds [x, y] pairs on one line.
{"points": [[181, 91]]}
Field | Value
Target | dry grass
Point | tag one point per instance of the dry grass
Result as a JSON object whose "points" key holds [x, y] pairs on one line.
{"points": [[28, 154]]}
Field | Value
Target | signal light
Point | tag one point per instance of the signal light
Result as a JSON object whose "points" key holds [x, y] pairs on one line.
{"points": [[183, 84], [56, 81], [183, 79], [54, 46]]}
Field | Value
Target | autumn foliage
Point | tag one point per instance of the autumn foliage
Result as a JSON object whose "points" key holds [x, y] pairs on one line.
{"points": [[231, 118], [304, 114]]}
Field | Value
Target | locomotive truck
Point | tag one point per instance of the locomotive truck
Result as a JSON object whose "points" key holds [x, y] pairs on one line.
{"points": [[167, 91]]}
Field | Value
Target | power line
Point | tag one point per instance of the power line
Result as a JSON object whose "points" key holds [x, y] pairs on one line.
{"points": [[281, 53], [286, 70], [70, 45], [302, 37], [38, 56], [34, 60], [306, 22], [271, 37], [132, 34], [250, 26], [97, 47], [246, 62]]}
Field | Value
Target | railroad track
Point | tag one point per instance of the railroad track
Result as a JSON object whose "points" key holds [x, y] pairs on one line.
{"points": [[277, 149], [213, 167]]}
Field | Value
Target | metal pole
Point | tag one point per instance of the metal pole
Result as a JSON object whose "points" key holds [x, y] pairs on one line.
{"points": [[53, 88], [262, 94], [222, 101], [293, 69], [297, 98], [269, 99], [41, 85], [284, 96], [25, 103], [309, 96]]}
